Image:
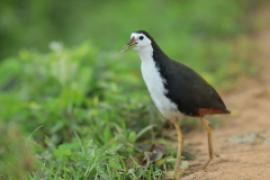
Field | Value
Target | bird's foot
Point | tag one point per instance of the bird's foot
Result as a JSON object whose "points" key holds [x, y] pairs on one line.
{"points": [[172, 175], [207, 163], [209, 160], [178, 173]]}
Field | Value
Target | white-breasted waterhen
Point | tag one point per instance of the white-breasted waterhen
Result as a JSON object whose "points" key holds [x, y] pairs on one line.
{"points": [[176, 89]]}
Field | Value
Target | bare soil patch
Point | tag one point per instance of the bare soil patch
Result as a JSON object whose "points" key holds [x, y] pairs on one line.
{"points": [[243, 140]]}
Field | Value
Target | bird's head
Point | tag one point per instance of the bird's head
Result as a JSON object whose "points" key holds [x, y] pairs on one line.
{"points": [[140, 41]]}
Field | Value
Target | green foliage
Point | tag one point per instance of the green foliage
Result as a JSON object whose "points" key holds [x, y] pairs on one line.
{"points": [[34, 24], [76, 106], [79, 113], [16, 154]]}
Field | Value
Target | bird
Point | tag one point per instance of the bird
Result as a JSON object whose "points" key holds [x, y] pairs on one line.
{"points": [[176, 90]]}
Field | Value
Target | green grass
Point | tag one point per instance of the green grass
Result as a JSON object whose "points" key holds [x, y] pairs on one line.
{"points": [[82, 112]]}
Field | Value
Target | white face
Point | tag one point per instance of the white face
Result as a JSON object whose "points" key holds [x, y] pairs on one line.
{"points": [[141, 41]]}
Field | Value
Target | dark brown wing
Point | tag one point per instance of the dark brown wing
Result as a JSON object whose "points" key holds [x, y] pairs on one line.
{"points": [[192, 94]]}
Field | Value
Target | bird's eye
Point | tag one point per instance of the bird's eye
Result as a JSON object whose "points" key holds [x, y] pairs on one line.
{"points": [[141, 37]]}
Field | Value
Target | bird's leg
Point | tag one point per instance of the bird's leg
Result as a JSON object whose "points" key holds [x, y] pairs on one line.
{"points": [[179, 148], [209, 138]]}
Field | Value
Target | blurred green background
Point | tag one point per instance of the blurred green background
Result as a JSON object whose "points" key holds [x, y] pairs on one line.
{"points": [[72, 107]]}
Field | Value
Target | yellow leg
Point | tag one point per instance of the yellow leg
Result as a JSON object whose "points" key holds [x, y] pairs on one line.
{"points": [[209, 138], [179, 149]]}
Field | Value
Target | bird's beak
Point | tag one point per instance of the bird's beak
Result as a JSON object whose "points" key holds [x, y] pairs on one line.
{"points": [[131, 43]]}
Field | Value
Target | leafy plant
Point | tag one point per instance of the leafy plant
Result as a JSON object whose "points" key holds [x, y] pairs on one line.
{"points": [[82, 112]]}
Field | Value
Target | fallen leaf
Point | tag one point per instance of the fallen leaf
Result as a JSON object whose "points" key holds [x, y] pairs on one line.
{"points": [[155, 153]]}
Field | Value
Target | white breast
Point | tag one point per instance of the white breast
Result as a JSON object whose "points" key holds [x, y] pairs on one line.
{"points": [[155, 86]]}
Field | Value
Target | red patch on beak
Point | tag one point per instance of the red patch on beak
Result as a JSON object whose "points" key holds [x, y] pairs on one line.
{"points": [[132, 42]]}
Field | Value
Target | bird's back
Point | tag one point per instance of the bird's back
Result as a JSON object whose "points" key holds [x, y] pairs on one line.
{"points": [[192, 94]]}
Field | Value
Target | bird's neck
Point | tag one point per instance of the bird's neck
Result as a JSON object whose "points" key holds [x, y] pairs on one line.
{"points": [[146, 53], [151, 53]]}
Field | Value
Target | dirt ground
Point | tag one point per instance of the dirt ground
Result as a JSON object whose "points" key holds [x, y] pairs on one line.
{"points": [[243, 140]]}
